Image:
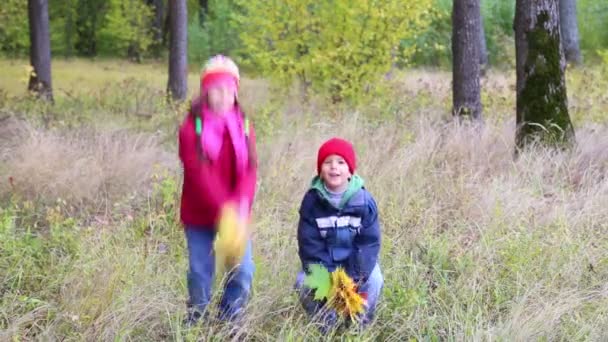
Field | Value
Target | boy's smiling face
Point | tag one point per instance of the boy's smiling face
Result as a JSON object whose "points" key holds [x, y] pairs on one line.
{"points": [[335, 173]]}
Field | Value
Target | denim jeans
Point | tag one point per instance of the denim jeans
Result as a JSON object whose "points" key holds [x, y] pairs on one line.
{"points": [[202, 272], [373, 288]]}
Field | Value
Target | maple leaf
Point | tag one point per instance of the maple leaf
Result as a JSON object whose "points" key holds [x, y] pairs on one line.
{"points": [[319, 280]]}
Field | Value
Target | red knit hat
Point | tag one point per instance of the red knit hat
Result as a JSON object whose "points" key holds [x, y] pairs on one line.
{"points": [[220, 70], [339, 147]]}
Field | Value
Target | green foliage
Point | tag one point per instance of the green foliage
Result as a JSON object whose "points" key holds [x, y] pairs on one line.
{"points": [[604, 55], [432, 45], [193, 9], [14, 31], [593, 25], [122, 28], [63, 15], [198, 48], [88, 22], [127, 30], [498, 16], [335, 47], [217, 34], [318, 280], [498, 25], [29, 255]]}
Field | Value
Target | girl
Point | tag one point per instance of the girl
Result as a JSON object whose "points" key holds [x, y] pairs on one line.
{"points": [[218, 153]]}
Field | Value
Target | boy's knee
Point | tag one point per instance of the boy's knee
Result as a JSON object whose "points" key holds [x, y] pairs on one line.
{"points": [[376, 279], [373, 285], [299, 284], [304, 293]]}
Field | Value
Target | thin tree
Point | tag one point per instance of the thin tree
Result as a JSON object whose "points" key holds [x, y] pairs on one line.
{"points": [[466, 21], [542, 102], [40, 49], [203, 11], [177, 85], [569, 31], [157, 21]]}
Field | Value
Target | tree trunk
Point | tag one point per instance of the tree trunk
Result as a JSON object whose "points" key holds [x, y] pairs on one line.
{"points": [[40, 49], [542, 103], [465, 49], [178, 50], [569, 31]]}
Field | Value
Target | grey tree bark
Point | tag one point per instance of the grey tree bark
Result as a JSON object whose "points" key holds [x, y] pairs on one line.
{"points": [[466, 21], [542, 102], [40, 49], [177, 85], [569, 31]]}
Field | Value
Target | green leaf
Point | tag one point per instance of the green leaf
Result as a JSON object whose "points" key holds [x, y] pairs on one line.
{"points": [[318, 280]]}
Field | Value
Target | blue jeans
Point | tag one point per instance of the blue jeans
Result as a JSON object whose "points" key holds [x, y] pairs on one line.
{"points": [[202, 272], [373, 288]]}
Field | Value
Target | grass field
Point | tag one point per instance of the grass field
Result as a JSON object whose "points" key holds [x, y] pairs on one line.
{"points": [[476, 245]]}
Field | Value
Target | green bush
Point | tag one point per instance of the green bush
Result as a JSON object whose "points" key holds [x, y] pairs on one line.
{"points": [[14, 31], [593, 25], [334, 47], [218, 34], [127, 29], [63, 16], [432, 45]]}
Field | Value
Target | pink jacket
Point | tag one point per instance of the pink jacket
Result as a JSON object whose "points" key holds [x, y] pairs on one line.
{"points": [[209, 185]]}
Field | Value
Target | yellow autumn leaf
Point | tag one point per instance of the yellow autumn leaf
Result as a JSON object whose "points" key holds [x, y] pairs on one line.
{"points": [[231, 239]]}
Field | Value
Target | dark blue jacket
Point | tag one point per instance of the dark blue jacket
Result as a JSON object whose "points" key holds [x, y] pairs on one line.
{"points": [[347, 237]]}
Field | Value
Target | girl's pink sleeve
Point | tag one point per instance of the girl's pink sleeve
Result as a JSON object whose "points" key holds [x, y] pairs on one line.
{"points": [[199, 174], [246, 186]]}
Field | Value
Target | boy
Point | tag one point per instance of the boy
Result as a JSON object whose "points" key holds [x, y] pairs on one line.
{"points": [[339, 227]]}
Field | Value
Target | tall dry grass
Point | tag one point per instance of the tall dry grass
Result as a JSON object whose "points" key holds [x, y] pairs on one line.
{"points": [[85, 167], [480, 235]]}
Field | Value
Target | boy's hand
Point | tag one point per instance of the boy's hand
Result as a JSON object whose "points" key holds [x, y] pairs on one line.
{"points": [[361, 293]]}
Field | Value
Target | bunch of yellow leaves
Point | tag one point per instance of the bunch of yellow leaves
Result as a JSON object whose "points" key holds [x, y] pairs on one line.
{"points": [[339, 290], [231, 239], [344, 297]]}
